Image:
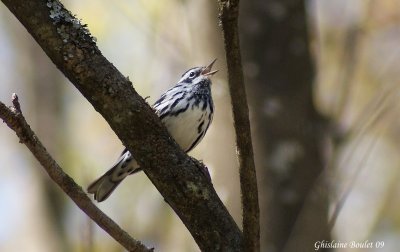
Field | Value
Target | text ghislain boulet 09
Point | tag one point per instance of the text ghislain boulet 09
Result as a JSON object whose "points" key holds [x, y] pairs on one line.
{"points": [[351, 244]]}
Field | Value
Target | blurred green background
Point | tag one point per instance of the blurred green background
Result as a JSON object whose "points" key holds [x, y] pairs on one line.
{"points": [[356, 52]]}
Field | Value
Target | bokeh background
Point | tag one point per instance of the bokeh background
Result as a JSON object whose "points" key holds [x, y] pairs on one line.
{"points": [[355, 50]]}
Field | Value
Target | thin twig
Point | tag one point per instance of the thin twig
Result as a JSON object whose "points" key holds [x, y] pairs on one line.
{"points": [[361, 166], [14, 118], [229, 12], [340, 204]]}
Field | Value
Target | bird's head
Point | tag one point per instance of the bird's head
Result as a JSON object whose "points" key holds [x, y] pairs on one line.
{"points": [[198, 75]]}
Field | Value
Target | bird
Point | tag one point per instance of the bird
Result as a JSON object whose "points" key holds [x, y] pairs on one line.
{"points": [[186, 110]]}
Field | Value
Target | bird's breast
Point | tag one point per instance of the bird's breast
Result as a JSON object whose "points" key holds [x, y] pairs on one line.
{"points": [[189, 127]]}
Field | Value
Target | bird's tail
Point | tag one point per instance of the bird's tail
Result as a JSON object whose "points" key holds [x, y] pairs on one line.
{"points": [[106, 184]]}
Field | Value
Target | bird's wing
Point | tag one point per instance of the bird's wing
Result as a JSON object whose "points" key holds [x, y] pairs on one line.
{"points": [[169, 101]]}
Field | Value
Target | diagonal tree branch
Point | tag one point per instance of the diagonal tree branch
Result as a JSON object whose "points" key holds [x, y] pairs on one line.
{"points": [[178, 177], [229, 13], [15, 120]]}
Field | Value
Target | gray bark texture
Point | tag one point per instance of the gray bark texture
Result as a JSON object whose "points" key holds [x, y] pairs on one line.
{"points": [[229, 15]]}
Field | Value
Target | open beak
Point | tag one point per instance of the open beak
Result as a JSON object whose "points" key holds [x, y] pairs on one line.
{"points": [[207, 70]]}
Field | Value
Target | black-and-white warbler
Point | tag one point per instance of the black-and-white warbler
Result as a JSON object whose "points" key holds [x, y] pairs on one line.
{"points": [[185, 109]]}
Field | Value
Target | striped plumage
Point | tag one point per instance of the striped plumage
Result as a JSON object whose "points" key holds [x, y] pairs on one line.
{"points": [[187, 112]]}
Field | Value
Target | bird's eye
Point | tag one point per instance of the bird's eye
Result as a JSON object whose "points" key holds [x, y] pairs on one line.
{"points": [[191, 75]]}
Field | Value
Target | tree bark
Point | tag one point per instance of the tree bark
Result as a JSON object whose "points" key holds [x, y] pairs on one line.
{"points": [[229, 14], [289, 130], [178, 177]]}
